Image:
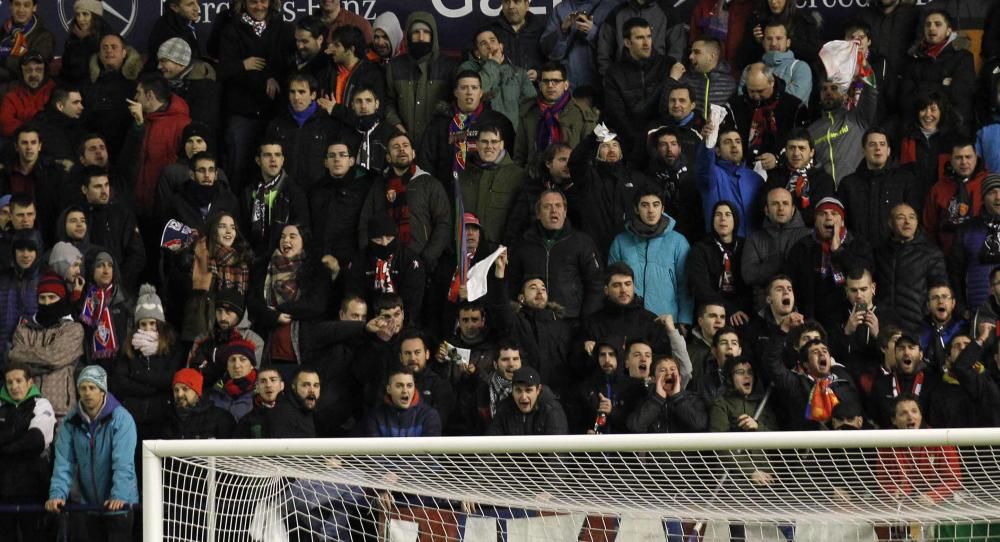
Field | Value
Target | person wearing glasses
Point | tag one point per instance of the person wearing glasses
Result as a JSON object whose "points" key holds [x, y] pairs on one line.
{"points": [[491, 182], [554, 117]]}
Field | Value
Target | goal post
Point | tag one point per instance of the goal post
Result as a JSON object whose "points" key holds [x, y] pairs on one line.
{"points": [[915, 484]]}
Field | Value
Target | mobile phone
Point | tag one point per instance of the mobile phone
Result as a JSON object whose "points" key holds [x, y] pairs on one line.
{"points": [[860, 307]]}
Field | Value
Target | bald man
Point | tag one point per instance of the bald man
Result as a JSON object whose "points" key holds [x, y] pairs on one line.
{"points": [[782, 113]]}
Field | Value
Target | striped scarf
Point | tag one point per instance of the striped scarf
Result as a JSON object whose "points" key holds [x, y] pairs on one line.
{"points": [[822, 400], [549, 130], [458, 137], [97, 315], [15, 41], [227, 270]]}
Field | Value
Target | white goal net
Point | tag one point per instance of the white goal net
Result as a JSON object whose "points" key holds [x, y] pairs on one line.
{"points": [[827, 486]]}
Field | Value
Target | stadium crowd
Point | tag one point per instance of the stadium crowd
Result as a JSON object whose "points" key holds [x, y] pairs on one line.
{"points": [[270, 233]]}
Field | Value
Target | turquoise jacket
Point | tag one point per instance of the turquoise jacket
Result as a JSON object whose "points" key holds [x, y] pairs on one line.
{"points": [[101, 452], [659, 265]]}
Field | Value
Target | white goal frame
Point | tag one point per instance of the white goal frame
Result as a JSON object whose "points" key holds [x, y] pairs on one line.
{"points": [[154, 451]]}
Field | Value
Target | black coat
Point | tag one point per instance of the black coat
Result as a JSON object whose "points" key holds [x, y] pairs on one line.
{"points": [[983, 387], [114, 227], [704, 271], [904, 272], [304, 147], [169, 25], [290, 206], [436, 153], [522, 48], [548, 418], [204, 421], [789, 113], [632, 92], [289, 418], [406, 272], [143, 384], [569, 266], [817, 296], [204, 98], [869, 195], [104, 113], [624, 324], [793, 388], [61, 135], [183, 207], [685, 412], [924, 74], [335, 209], [245, 92], [821, 185], [882, 397], [75, 68], [26, 469]]}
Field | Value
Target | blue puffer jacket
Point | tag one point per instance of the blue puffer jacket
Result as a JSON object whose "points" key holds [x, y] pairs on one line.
{"points": [[974, 258], [420, 420], [719, 180], [100, 451], [659, 265], [988, 145]]}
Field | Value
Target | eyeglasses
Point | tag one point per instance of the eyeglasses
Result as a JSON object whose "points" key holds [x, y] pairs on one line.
{"points": [[551, 82], [489, 142], [743, 372]]}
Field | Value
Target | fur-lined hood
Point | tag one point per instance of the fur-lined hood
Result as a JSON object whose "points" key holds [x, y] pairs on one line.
{"points": [[130, 69], [556, 309]]}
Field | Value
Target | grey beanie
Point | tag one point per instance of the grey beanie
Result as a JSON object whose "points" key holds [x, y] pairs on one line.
{"points": [[62, 257], [149, 305]]}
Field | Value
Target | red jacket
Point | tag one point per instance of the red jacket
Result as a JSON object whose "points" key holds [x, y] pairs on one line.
{"points": [[21, 104], [936, 207], [159, 149], [934, 472]]}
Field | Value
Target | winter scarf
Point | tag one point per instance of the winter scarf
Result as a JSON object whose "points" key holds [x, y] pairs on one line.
{"points": [[989, 253], [645, 231], [960, 206], [549, 130], [258, 27], [16, 41], [727, 253], [822, 400], [763, 123], [200, 195], [234, 387], [281, 284], [826, 267], [798, 184], [97, 314], [263, 199], [227, 270], [301, 117], [500, 389], [457, 132]]}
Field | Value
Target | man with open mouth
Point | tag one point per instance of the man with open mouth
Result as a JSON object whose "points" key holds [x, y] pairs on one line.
{"points": [[911, 375]]}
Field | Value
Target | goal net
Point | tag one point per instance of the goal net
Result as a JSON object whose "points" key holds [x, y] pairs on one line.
{"points": [[825, 486]]}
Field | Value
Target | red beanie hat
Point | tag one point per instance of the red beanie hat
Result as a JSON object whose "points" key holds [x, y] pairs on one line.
{"points": [[832, 204], [190, 378], [51, 283]]}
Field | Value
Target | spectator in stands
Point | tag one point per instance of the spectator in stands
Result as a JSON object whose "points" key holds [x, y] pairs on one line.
{"points": [[303, 130], [24, 33], [989, 311], [275, 198], [569, 36], [708, 378], [667, 168], [27, 96], [777, 113], [112, 74], [937, 63], [570, 265], [606, 391], [404, 412], [977, 248], [842, 133], [952, 404], [350, 70], [83, 38], [766, 249], [668, 407], [639, 362], [293, 413], [818, 264], [310, 56], [113, 225], [802, 27], [800, 176], [266, 393], [894, 27], [446, 292], [906, 265], [777, 318], [197, 137], [18, 287], [229, 325], [27, 428], [51, 343], [107, 310], [233, 392], [815, 390], [927, 475], [66, 261], [722, 175], [387, 38], [710, 77], [858, 335], [467, 370], [879, 73], [336, 199], [677, 110], [633, 86], [60, 126], [713, 266], [982, 385], [449, 146], [253, 53], [366, 120], [177, 22], [874, 189], [201, 195], [28, 172], [520, 32], [942, 324], [193, 80], [550, 171], [927, 138], [192, 418], [554, 117], [414, 199], [414, 353], [737, 409], [956, 197], [531, 409], [504, 85], [386, 266], [535, 323], [490, 181], [334, 15], [779, 57], [657, 254], [623, 316], [98, 437], [418, 79], [710, 317], [669, 33]]}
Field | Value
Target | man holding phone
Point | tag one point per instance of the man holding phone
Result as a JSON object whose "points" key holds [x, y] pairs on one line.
{"points": [[858, 337], [570, 34]]}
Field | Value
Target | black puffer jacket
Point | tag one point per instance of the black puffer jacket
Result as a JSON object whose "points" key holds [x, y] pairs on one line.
{"points": [[625, 324], [904, 271], [335, 208], [27, 470], [868, 196], [924, 74], [204, 421], [817, 296], [245, 92], [632, 91], [789, 113], [289, 418], [305, 145], [143, 385], [547, 418], [436, 153], [684, 412]]}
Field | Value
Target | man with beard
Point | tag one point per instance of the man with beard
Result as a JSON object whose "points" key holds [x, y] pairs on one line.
{"points": [[473, 334], [496, 385], [875, 188], [623, 315], [667, 168], [193, 80], [387, 37], [386, 266], [531, 409], [911, 376], [365, 117], [977, 248], [710, 77], [838, 133], [941, 324], [192, 418], [404, 412], [814, 390], [799, 175], [230, 325], [303, 130], [335, 202], [350, 69], [956, 197], [766, 249], [113, 225], [606, 392], [722, 175], [818, 264], [415, 201], [293, 413], [267, 390], [414, 353], [764, 114], [668, 407], [310, 56], [26, 97], [657, 253]]}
